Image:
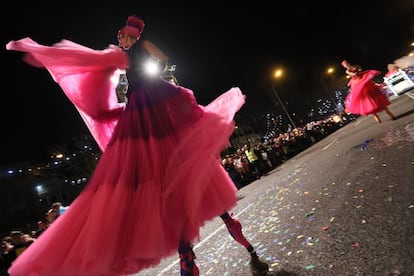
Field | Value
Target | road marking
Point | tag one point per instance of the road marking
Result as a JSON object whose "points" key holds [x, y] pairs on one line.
{"points": [[330, 144], [203, 241], [357, 122], [410, 94]]}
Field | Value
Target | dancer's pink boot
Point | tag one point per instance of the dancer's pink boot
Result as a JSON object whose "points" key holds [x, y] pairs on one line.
{"points": [[234, 227]]}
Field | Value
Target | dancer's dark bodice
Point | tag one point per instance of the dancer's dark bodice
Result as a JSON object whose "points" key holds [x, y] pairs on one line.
{"points": [[144, 89], [138, 56]]}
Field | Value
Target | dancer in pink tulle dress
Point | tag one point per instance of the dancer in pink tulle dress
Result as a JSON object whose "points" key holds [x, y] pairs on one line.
{"points": [[150, 192], [365, 97]]}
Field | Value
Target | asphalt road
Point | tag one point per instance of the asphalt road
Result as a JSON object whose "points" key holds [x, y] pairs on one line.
{"points": [[345, 206]]}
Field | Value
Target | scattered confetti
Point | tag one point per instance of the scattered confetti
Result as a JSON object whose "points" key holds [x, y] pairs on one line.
{"points": [[308, 239], [364, 145], [309, 214], [309, 267], [392, 137]]}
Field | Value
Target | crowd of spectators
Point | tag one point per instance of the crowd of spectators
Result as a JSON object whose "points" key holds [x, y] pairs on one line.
{"points": [[252, 161], [17, 241]]}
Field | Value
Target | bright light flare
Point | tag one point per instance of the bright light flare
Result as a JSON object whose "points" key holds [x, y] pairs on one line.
{"points": [[152, 68]]}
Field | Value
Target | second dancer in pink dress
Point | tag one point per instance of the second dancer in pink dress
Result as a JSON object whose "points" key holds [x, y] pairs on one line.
{"points": [[366, 97]]}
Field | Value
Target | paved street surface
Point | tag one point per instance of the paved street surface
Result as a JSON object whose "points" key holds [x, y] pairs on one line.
{"points": [[345, 206]]}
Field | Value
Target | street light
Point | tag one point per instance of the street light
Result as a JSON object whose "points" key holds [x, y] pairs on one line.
{"points": [[329, 74], [278, 74]]}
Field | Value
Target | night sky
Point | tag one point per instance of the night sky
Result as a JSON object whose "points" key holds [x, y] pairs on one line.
{"points": [[215, 45]]}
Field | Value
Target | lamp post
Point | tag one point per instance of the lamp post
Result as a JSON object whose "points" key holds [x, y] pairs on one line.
{"points": [[328, 75], [277, 74]]}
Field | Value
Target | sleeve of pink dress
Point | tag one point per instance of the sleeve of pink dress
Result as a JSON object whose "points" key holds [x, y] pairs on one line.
{"points": [[85, 76]]}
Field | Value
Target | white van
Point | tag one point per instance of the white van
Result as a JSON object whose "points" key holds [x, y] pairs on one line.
{"points": [[399, 83]]}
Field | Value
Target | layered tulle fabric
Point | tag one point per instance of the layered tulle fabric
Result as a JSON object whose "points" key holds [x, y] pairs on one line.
{"points": [[365, 97], [85, 75], [159, 180]]}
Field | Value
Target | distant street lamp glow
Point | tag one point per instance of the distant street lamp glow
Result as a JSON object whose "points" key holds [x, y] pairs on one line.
{"points": [[328, 75], [278, 73], [39, 189], [330, 70]]}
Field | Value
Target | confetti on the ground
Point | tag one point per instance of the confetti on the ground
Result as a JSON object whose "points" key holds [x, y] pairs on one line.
{"points": [[309, 267], [309, 214]]}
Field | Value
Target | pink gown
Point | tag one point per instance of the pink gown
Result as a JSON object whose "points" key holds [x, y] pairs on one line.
{"points": [[365, 97], [158, 181]]}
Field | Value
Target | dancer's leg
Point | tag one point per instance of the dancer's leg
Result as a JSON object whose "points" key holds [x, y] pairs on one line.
{"points": [[376, 117], [388, 111], [235, 229], [187, 257]]}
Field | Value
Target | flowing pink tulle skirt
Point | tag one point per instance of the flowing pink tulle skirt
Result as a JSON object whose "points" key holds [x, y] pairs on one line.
{"points": [[366, 97], [158, 181]]}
